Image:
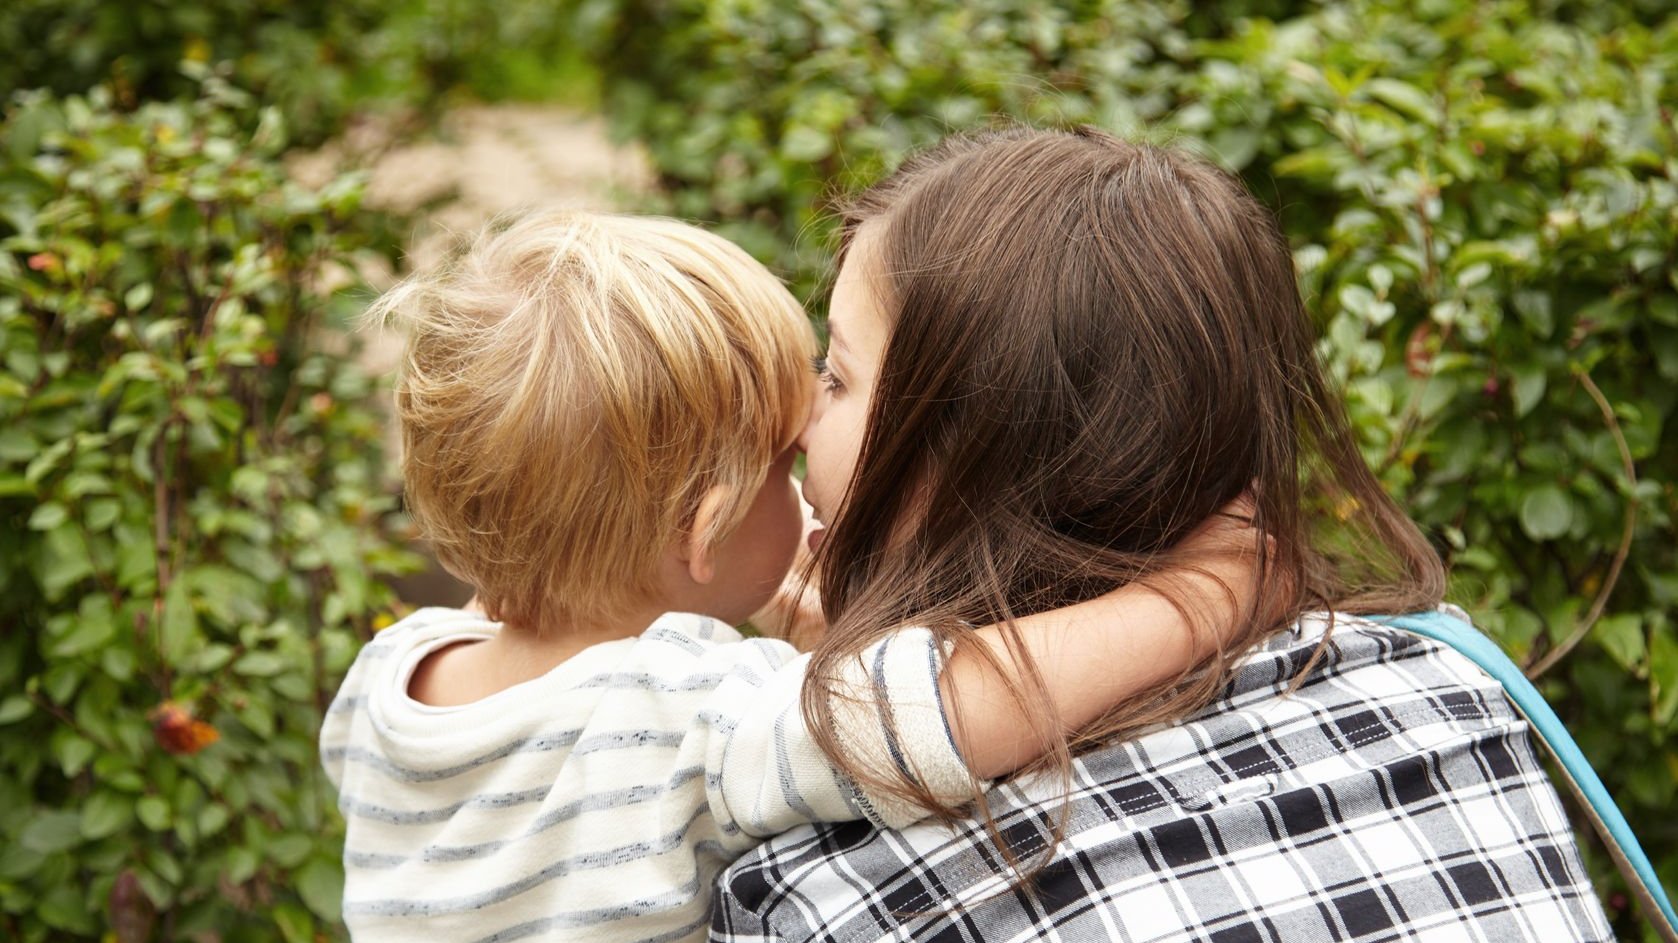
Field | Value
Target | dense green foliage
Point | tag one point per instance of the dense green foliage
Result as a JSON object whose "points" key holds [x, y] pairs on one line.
{"points": [[1480, 194], [196, 531], [321, 62], [1482, 201]]}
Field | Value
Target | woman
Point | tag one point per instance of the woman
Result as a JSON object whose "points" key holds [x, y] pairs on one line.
{"points": [[1053, 355]]}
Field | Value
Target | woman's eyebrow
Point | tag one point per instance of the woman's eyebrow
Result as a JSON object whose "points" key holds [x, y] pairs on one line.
{"points": [[834, 339]]}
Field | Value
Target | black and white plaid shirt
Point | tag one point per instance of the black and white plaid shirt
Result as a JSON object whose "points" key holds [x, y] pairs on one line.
{"points": [[1394, 796]]}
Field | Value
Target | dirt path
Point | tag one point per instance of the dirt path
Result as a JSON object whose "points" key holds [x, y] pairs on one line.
{"points": [[482, 160], [499, 158]]}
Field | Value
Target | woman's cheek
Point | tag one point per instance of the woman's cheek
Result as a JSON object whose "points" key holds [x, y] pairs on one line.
{"points": [[847, 443], [831, 442]]}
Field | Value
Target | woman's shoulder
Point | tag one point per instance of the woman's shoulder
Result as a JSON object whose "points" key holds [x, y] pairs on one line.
{"points": [[1322, 647], [1352, 774], [1329, 697]]}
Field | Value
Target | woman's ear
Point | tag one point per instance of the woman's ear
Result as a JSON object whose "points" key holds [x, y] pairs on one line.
{"points": [[697, 553]]}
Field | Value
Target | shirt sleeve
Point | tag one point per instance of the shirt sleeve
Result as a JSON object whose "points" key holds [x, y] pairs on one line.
{"points": [[765, 772]]}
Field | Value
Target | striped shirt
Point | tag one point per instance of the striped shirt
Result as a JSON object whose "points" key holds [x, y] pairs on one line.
{"points": [[1395, 796], [599, 801]]}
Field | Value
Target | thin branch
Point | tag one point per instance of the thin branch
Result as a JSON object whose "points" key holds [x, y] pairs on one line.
{"points": [[207, 328], [162, 542], [69, 720], [160, 511], [1560, 651]]}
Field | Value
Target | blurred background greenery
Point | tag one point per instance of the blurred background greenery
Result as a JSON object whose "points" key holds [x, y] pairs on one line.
{"points": [[199, 530]]}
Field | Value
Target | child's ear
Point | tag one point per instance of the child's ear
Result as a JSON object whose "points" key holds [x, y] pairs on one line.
{"points": [[697, 553]]}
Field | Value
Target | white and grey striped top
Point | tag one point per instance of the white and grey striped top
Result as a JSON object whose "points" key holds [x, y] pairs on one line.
{"points": [[598, 801]]}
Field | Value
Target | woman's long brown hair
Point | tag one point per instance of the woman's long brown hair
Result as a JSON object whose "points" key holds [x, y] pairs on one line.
{"points": [[1095, 345]]}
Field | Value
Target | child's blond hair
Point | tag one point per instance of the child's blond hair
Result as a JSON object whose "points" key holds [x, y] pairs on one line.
{"points": [[573, 385]]}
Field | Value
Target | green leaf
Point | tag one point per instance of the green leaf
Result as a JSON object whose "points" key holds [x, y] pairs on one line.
{"points": [[1236, 146], [65, 907], [804, 144], [105, 813], [154, 812], [179, 631], [102, 513], [1536, 311], [1664, 345], [1447, 312], [136, 560], [288, 851], [1521, 627], [1473, 275], [50, 832], [61, 681], [295, 923], [1622, 637], [64, 561], [321, 885], [1362, 302], [1546, 513], [261, 664], [118, 662], [137, 297], [73, 753], [1663, 677], [15, 708], [158, 891], [212, 819], [165, 864], [1404, 98], [1528, 389], [48, 516], [212, 657], [18, 862], [44, 463], [17, 445], [241, 864], [93, 627]]}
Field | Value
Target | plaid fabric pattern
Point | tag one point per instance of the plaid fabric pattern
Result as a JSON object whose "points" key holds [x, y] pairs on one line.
{"points": [[1394, 796]]}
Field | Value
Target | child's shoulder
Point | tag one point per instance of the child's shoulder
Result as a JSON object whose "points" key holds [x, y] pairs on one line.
{"points": [[699, 636], [679, 627], [433, 622], [425, 628]]}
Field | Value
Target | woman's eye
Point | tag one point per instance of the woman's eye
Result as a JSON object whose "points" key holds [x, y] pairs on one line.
{"points": [[828, 380]]}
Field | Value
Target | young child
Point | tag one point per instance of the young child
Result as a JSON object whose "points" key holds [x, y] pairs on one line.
{"points": [[598, 415]]}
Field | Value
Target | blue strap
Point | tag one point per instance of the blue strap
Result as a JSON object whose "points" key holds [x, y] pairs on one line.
{"points": [[1610, 823]]}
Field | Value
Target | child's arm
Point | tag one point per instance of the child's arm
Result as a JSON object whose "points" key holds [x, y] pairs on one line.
{"points": [[947, 721], [1092, 655]]}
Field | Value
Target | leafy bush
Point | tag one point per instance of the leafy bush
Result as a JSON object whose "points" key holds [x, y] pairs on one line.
{"points": [[1482, 201], [318, 61], [753, 113], [1483, 207], [195, 529]]}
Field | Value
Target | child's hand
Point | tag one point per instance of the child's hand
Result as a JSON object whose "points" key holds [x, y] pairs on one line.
{"points": [[1224, 551], [1228, 531], [792, 616], [1143, 637]]}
